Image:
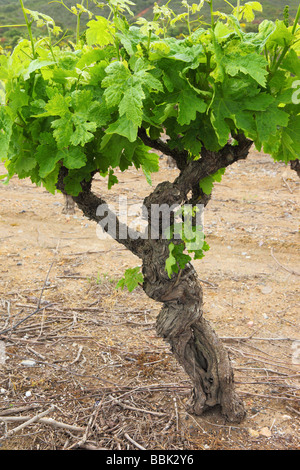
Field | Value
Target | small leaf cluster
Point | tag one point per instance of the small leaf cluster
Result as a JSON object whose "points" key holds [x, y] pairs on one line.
{"points": [[187, 238], [132, 278]]}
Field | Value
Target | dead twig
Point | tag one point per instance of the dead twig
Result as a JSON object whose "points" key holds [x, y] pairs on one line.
{"points": [[273, 397], [136, 444], [20, 409], [44, 285], [27, 423], [24, 319], [287, 185], [40, 419], [78, 355], [291, 271], [176, 414], [90, 425], [133, 408], [245, 338], [36, 353]]}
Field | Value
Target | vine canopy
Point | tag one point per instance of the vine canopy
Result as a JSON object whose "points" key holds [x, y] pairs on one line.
{"points": [[81, 105]]}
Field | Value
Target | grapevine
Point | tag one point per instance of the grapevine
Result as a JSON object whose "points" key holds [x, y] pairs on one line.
{"points": [[72, 110]]}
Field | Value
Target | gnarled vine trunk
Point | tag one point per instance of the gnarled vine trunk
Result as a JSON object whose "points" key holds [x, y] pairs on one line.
{"points": [[193, 342], [180, 322], [295, 165]]}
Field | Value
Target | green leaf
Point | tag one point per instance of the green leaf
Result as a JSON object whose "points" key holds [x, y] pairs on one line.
{"points": [[37, 64], [58, 105], [131, 104], [99, 32], [37, 16], [177, 259], [47, 158], [83, 131], [99, 114], [49, 182], [112, 146], [72, 185], [90, 57], [63, 131], [112, 179], [189, 104], [247, 11], [288, 140], [267, 121], [291, 63], [171, 265], [281, 36], [81, 102], [207, 183], [259, 102], [123, 126], [115, 83], [132, 278], [231, 109], [72, 157], [18, 98], [6, 123], [144, 77], [149, 161], [251, 64]]}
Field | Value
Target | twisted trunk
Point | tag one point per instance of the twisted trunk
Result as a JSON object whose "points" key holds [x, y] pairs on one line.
{"points": [[295, 165], [180, 322], [193, 342]]}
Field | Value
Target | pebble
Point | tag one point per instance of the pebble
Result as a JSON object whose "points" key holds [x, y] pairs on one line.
{"points": [[265, 432], [28, 363], [286, 417], [266, 290], [253, 432]]}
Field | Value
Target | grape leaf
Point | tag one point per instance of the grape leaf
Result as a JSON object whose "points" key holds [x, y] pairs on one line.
{"points": [[63, 131], [207, 183], [251, 64], [132, 278], [171, 265], [58, 105], [36, 65], [125, 127], [47, 157], [189, 104], [131, 104], [6, 124], [83, 130], [177, 259], [99, 32], [288, 142], [281, 36], [73, 157], [267, 121], [112, 146], [112, 179]]}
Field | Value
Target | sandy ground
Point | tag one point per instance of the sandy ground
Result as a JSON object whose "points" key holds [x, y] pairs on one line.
{"points": [[93, 352]]}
